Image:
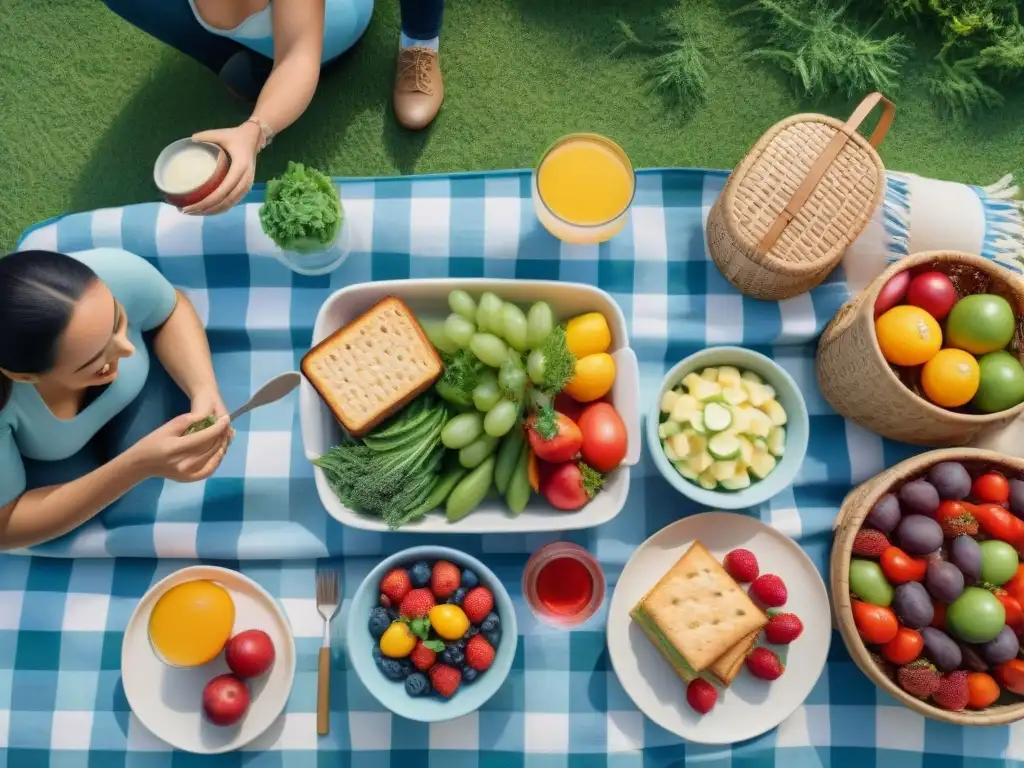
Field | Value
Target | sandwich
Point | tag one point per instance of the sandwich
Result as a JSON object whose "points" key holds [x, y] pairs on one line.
{"points": [[374, 366], [699, 618]]}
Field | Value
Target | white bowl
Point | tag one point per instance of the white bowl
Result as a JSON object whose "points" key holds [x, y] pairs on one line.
{"points": [[429, 300]]}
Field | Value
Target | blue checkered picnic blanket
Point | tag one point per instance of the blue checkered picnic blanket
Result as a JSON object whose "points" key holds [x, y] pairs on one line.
{"points": [[61, 701]]}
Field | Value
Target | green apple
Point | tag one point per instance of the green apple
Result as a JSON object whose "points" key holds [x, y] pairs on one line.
{"points": [[980, 323], [976, 616], [1001, 383]]}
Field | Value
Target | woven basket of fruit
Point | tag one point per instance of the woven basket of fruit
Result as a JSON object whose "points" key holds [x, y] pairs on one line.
{"points": [[930, 352], [928, 588]]}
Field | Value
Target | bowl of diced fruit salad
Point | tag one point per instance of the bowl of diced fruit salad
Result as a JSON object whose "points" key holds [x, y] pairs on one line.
{"points": [[728, 428]]}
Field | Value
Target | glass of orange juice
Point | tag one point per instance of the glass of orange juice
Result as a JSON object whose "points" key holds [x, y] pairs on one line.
{"points": [[583, 187]]}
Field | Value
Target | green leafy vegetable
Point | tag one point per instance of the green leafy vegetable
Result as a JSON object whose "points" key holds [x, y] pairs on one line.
{"points": [[461, 375], [559, 362], [302, 211], [199, 426]]}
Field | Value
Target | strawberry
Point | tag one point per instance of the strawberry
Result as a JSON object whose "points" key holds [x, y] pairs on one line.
{"points": [[444, 579], [955, 519], [764, 663], [477, 603], [783, 628], [919, 678], [701, 695], [422, 657], [769, 590], [417, 603], [445, 679], [870, 543], [395, 585], [952, 693], [479, 653], [741, 565]]}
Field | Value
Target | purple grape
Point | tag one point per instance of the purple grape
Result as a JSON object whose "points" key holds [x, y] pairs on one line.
{"points": [[972, 660], [951, 480], [912, 605], [965, 554], [919, 535], [944, 581], [1017, 497], [1003, 648], [941, 649], [919, 497], [885, 515]]}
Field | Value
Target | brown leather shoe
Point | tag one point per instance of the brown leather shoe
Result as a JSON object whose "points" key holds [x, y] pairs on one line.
{"points": [[419, 89]]}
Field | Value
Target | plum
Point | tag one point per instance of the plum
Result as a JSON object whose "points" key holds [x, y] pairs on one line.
{"points": [[951, 480], [1003, 648], [941, 649], [912, 605], [919, 497], [1017, 497], [965, 554], [919, 535], [944, 581], [885, 515], [972, 660]]}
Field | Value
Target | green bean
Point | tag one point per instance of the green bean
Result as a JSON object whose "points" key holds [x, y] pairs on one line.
{"points": [[462, 430], [518, 494], [508, 455], [471, 490], [442, 488], [473, 454]]}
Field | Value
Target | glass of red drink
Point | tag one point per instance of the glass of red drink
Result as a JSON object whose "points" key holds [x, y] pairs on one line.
{"points": [[563, 584]]}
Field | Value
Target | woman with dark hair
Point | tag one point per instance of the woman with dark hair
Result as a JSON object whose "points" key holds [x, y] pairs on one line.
{"points": [[75, 432], [270, 53]]}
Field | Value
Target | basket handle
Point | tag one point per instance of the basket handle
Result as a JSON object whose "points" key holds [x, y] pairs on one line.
{"points": [[817, 172]]}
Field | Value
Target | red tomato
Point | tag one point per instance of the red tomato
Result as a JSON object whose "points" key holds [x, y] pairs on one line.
{"points": [[991, 487], [899, 567], [877, 625], [1011, 675], [553, 436], [905, 647], [569, 485], [1014, 612], [933, 292], [604, 437], [566, 405], [892, 293], [1015, 586], [998, 523], [939, 615]]}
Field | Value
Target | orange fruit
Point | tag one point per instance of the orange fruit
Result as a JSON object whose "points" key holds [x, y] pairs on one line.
{"points": [[982, 690], [908, 335], [191, 622], [951, 378]]}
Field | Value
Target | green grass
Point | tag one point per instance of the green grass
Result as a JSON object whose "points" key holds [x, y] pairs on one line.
{"points": [[83, 117]]}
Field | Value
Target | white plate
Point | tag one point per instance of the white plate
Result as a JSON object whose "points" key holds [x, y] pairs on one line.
{"points": [[168, 701], [749, 707], [429, 299]]}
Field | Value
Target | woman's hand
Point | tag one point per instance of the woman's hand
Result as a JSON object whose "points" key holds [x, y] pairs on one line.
{"points": [[208, 401], [167, 452], [241, 144]]}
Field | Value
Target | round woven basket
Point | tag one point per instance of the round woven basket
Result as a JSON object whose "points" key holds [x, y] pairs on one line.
{"points": [[859, 384], [855, 508], [802, 194]]}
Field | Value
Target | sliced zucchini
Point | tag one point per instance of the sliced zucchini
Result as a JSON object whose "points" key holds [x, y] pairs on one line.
{"points": [[711, 374], [697, 423], [774, 410], [668, 428], [717, 417], [704, 390], [683, 408], [738, 481], [728, 376], [735, 395], [746, 449], [723, 470], [762, 464], [681, 446], [724, 446], [700, 462], [760, 424], [751, 376], [707, 481], [683, 469], [668, 400], [777, 441]]}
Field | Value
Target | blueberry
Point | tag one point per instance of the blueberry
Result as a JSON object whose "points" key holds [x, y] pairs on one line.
{"points": [[392, 669], [469, 579], [490, 623], [416, 684], [493, 637], [379, 622], [458, 596], [469, 633], [407, 667], [468, 674], [453, 656], [419, 575], [393, 614], [378, 655]]}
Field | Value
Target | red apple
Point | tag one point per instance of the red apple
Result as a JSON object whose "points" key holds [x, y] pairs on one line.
{"points": [[225, 700], [892, 293], [250, 653], [933, 292]]}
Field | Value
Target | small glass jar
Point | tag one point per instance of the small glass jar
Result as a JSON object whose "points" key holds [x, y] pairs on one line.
{"points": [[563, 584], [320, 262]]}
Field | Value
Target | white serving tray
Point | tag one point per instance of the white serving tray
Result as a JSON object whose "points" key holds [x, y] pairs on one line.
{"points": [[428, 299]]}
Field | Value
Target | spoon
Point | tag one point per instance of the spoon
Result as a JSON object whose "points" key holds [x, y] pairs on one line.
{"points": [[271, 392]]}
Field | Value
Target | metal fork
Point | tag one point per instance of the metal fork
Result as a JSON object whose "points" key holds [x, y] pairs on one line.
{"points": [[327, 604]]}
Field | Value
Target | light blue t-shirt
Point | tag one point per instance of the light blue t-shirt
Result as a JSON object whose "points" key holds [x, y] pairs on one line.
{"points": [[344, 23], [29, 428]]}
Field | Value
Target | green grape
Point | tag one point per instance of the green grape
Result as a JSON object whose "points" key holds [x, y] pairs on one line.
{"points": [[488, 313], [501, 418], [459, 330], [514, 326], [462, 430], [512, 379], [462, 303], [488, 348], [540, 321], [536, 367], [487, 392], [435, 332]]}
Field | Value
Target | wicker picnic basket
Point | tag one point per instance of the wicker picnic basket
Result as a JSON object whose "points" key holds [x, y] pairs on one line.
{"points": [[859, 384], [803, 193], [855, 508]]}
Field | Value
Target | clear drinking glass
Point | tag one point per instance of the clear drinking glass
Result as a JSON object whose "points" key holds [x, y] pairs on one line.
{"points": [[324, 260]]}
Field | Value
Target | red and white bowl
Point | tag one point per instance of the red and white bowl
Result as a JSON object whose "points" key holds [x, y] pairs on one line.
{"points": [[187, 171]]}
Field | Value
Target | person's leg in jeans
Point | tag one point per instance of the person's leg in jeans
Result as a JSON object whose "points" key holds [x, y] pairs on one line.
{"points": [[419, 88], [172, 22]]}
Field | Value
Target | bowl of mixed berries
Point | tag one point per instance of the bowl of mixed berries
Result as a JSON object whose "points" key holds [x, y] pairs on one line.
{"points": [[431, 633]]}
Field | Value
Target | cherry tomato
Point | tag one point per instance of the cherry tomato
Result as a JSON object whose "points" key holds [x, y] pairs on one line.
{"points": [[998, 522], [566, 405], [938, 615], [982, 690], [933, 292], [604, 437], [905, 647], [1015, 586], [1012, 606], [553, 436], [991, 487], [876, 625], [1011, 675], [899, 567], [569, 486]]}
